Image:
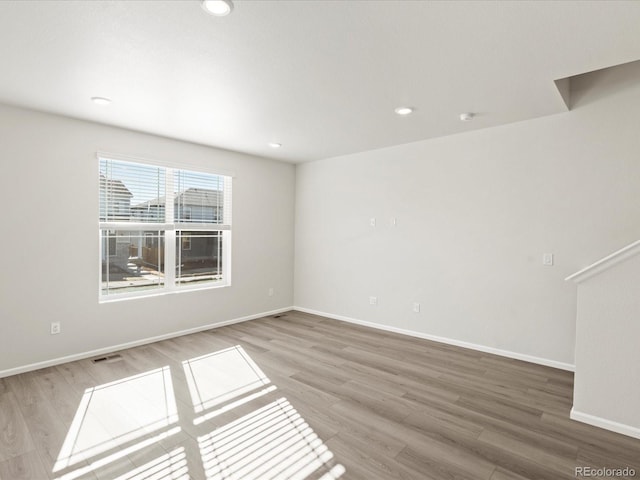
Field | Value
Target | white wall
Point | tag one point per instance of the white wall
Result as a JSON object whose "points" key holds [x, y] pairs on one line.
{"points": [[607, 380], [475, 212], [49, 269]]}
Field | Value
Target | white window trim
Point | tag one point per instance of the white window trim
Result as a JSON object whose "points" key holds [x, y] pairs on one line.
{"points": [[169, 229]]}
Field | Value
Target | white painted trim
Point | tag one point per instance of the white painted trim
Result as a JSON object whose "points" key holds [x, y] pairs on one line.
{"points": [[606, 263], [160, 291], [604, 423], [449, 341], [135, 343]]}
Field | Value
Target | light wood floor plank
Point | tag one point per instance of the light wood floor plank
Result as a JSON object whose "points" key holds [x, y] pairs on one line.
{"points": [[502, 474], [4, 386], [24, 467], [361, 463], [15, 438], [47, 430]]}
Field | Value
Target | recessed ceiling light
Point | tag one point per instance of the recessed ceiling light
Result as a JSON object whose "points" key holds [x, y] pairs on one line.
{"points": [[275, 145], [467, 117], [219, 8], [100, 100], [403, 110]]}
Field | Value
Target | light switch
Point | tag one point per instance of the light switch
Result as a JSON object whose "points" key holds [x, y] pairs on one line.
{"points": [[547, 259]]}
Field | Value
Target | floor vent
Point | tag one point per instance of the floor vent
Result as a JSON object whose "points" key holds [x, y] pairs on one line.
{"points": [[108, 359]]}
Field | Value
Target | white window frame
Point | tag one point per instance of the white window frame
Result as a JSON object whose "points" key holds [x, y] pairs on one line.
{"points": [[169, 228]]}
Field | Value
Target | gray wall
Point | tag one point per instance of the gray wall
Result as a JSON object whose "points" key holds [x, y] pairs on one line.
{"points": [[50, 239], [475, 212], [607, 381]]}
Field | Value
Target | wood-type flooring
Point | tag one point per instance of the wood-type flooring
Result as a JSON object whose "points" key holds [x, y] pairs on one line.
{"points": [[299, 397]]}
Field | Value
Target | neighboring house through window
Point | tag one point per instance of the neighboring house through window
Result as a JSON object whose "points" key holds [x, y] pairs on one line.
{"points": [[113, 251]]}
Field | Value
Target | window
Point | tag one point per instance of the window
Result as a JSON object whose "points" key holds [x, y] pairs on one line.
{"points": [[111, 244], [162, 229], [186, 242]]}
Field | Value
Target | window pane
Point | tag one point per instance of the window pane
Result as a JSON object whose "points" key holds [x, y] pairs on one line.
{"points": [[131, 260], [198, 197], [131, 192], [198, 257]]}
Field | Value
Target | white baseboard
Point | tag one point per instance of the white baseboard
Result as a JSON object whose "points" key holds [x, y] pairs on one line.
{"points": [[449, 341], [604, 423], [135, 343]]}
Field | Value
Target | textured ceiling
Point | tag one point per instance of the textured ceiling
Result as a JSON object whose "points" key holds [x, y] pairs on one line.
{"points": [[321, 77]]}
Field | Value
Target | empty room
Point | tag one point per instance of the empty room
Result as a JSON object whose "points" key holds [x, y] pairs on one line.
{"points": [[319, 240]]}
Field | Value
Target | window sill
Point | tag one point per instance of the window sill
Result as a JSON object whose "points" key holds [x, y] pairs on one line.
{"points": [[163, 292]]}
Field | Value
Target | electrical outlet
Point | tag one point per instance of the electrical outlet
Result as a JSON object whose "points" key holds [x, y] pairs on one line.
{"points": [[271, 292], [373, 300], [416, 307], [55, 328]]}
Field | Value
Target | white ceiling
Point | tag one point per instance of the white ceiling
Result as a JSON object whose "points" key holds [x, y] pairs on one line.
{"points": [[321, 77]]}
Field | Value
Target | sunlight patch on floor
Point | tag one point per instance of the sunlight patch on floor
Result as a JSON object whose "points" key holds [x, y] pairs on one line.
{"points": [[116, 413], [272, 442], [119, 454], [171, 466], [230, 406], [336, 472], [129, 416], [221, 376]]}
